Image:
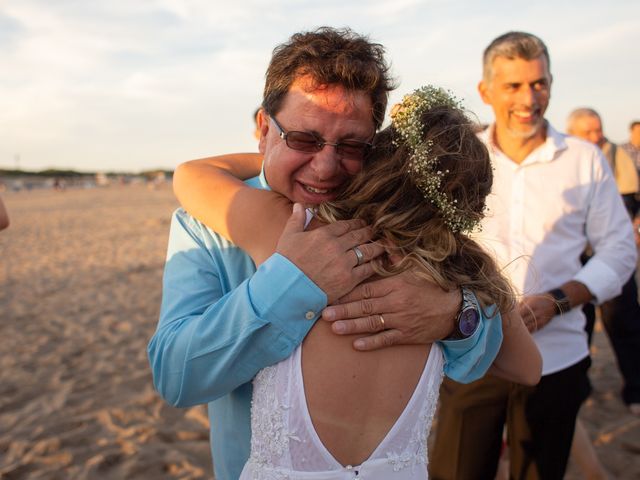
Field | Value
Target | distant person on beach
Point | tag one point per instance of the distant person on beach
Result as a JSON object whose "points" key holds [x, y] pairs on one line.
{"points": [[620, 315], [632, 147], [222, 320], [400, 193], [4, 216], [552, 194], [585, 123]]}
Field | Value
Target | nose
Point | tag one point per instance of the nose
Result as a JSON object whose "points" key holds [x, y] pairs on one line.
{"points": [[325, 164], [527, 95]]}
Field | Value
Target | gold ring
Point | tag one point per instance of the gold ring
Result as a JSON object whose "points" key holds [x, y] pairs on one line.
{"points": [[382, 321], [359, 256]]}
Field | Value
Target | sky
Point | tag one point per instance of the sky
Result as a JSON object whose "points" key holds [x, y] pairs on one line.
{"points": [[120, 85]]}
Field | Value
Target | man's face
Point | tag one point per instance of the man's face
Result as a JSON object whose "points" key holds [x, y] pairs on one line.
{"points": [[635, 135], [588, 128], [519, 92], [331, 113]]}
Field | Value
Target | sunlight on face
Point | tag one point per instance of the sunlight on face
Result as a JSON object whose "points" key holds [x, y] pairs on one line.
{"points": [[518, 91], [588, 128]]}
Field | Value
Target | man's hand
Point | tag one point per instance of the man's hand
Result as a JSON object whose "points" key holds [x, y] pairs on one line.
{"points": [[537, 311], [326, 255], [415, 311]]}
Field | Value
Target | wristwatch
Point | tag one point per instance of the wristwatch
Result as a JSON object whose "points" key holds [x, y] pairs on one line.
{"points": [[562, 301], [468, 319]]}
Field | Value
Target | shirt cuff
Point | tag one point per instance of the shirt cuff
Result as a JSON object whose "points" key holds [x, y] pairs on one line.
{"points": [[285, 297], [600, 279], [468, 359]]}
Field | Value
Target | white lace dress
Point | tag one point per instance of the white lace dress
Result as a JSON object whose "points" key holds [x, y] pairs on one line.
{"points": [[285, 446]]}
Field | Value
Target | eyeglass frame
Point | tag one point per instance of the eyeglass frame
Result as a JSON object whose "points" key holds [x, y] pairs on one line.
{"points": [[321, 142]]}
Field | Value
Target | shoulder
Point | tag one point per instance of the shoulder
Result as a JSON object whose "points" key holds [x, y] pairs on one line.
{"points": [[185, 225], [579, 150]]}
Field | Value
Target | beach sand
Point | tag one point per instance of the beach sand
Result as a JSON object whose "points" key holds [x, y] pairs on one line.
{"points": [[80, 287]]}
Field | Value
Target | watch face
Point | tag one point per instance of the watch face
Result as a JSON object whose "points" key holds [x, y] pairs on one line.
{"points": [[468, 321]]}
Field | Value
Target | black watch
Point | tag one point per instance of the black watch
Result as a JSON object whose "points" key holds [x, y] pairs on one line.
{"points": [[562, 301], [468, 319]]}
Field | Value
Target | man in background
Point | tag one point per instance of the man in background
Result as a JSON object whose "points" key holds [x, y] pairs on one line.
{"points": [[620, 315], [632, 147], [585, 123], [551, 195]]}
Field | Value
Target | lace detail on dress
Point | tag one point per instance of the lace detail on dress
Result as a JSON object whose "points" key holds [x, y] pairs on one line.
{"points": [[284, 445], [270, 437], [416, 452]]}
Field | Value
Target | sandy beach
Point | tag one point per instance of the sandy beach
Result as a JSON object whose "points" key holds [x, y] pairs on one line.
{"points": [[80, 287]]}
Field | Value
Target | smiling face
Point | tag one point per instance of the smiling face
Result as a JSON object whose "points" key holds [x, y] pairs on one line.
{"points": [[518, 91], [331, 113]]}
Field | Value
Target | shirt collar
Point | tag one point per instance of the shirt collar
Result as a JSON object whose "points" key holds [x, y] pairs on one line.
{"points": [[548, 151], [260, 181]]}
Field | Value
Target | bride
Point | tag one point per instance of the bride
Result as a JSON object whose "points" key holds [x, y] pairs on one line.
{"points": [[328, 411]]}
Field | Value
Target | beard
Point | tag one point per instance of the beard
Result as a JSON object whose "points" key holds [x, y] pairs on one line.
{"points": [[527, 133]]}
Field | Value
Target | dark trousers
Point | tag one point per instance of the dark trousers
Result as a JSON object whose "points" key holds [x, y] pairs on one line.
{"points": [[540, 423], [621, 320]]}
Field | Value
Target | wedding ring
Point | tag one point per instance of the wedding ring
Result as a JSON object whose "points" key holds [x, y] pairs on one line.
{"points": [[359, 256], [382, 322]]}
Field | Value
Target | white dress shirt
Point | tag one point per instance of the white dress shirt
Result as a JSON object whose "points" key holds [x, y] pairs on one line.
{"points": [[541, 215]]}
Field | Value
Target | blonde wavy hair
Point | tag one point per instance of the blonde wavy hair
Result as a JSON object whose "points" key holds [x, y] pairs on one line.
{"points": [[385, 195]]}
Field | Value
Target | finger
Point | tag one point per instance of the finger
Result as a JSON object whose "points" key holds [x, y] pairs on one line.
{"points": [[369, 324], [374, 289], [369, 251], [352, 310], [378, 341], [356, 237], [295, 223], [343, 227], [528, 317]]}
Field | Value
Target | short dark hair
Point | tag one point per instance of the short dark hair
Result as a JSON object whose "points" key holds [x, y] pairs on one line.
{"points": [[329, 56], [634, 124], [513, 45]]}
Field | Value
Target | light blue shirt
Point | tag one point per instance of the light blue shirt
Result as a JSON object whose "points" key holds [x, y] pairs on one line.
{"points": [[222, 321]]}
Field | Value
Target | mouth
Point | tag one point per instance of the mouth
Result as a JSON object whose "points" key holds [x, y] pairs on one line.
{"points": [[317, 194], [318, 191], [525, 116]]}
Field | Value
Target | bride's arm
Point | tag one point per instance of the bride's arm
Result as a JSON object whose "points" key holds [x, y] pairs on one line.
{"points": [[210, 190], [519, 359]]}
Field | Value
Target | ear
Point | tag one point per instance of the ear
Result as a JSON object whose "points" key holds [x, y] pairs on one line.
{"points": [[483, 89], [262, 120]]}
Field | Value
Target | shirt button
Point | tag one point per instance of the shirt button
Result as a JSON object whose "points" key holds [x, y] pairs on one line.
{"points": [[309, 315]]}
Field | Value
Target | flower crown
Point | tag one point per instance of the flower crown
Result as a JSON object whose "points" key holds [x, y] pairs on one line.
{"points": [[406, 121]]}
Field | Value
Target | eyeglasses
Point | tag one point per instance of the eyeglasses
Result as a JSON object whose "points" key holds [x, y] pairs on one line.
{"points": [[308, 142]]}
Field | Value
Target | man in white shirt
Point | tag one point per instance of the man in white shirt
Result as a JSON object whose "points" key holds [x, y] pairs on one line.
{"points": [[551, 195]]}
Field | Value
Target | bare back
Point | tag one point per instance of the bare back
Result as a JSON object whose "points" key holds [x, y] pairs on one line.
{"points": [[354, 398]]}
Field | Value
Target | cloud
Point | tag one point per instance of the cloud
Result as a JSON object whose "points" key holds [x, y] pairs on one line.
{"points": [[119, 83]]}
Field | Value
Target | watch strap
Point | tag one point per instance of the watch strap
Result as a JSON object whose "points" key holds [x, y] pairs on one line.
{"points": [[562, 303]]}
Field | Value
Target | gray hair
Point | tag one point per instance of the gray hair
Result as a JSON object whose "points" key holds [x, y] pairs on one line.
{"points": [[513, 45], [579, 113]]}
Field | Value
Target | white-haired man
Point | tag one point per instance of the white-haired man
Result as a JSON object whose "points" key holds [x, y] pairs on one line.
{"points": [[620, 315]]}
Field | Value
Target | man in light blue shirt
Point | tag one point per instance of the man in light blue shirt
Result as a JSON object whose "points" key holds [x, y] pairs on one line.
{"points": [[222, 320]]}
